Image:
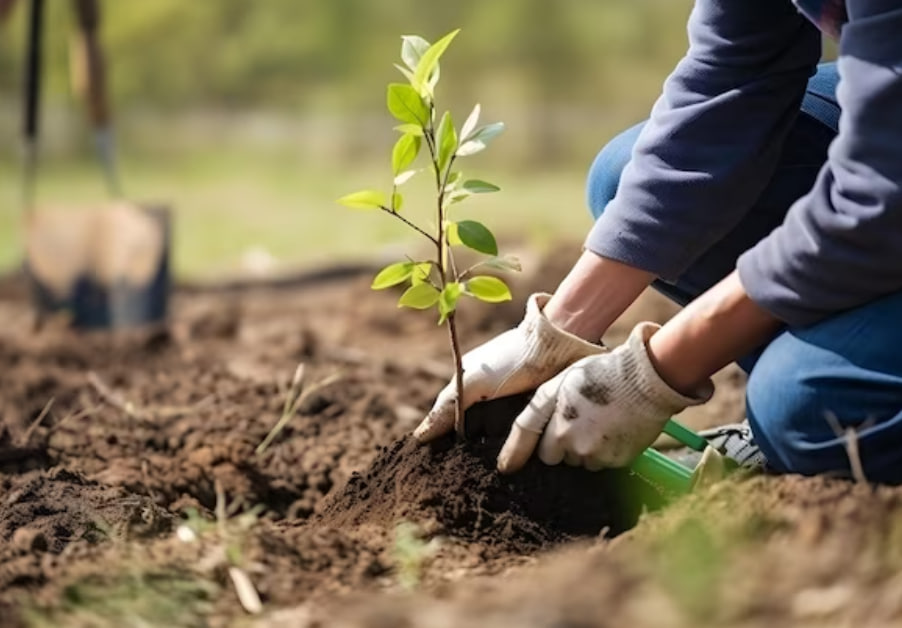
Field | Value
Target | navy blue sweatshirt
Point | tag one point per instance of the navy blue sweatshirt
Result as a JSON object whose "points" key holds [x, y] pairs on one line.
{"points": [[714, 138]]}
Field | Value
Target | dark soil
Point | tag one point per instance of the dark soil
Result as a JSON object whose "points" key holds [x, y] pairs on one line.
{"points": [[110, 443], [454, 487], [110, 437]]}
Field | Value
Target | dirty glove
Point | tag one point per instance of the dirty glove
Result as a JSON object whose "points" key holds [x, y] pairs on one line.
{"points": [[601, 412], [516, 361]]}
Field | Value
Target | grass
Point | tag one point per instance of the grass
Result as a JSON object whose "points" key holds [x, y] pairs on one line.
{"points": [[231, 207], [141, 598]]}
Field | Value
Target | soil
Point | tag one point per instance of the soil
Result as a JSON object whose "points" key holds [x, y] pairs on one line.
{"points": [[114, 447]]}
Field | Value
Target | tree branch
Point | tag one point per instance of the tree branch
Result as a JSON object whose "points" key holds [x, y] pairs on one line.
{"points": [[408, 223]]}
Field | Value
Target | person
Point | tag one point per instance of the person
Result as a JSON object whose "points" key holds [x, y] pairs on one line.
{"points": [[765, 193]]}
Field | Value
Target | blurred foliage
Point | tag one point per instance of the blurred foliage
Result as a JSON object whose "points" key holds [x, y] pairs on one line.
{"points": [[288, 53]]}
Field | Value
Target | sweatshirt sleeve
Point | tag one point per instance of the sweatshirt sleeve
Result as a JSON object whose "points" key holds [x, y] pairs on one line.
{"points": [[841, 245], [714, 136]]}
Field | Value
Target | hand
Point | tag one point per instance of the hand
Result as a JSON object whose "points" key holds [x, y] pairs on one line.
{"points": [[601, 412], [516, 361]]}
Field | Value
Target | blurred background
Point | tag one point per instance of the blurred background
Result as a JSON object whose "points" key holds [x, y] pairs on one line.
{"points": [[251, 118]]}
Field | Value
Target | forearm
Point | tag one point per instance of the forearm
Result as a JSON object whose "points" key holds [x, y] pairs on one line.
{"points": [[714, 138], [593, 294], [720, 326]]}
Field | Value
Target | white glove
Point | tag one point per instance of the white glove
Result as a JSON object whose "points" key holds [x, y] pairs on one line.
{"points": [[601, 412], [516, 361]]}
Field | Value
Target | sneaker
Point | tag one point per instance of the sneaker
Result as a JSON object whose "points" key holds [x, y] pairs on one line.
{"points": [[735, 441]]}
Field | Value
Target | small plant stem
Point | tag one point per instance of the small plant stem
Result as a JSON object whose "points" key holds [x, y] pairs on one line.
{"points": [[445, 264], [458, 375], [409, 223]]}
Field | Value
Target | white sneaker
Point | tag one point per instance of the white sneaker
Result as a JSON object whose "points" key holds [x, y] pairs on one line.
{"points": [[735, 441]]}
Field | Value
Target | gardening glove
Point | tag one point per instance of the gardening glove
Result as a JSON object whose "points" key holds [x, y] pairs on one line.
{"points": [[518, 360], [601, 412]]}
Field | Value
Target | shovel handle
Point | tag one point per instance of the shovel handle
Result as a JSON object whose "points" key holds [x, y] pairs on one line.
{"points": [[668, 475]]}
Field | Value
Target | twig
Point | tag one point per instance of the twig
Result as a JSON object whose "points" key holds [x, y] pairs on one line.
{"points": [[143, 414], [111, 397], [34, 424], [408, 223], [296, 396], [245, 590], [220, 508], [849, 437], [75, 415]]}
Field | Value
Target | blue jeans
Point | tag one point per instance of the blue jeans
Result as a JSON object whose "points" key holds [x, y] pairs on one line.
{"points": [[848, 366]]}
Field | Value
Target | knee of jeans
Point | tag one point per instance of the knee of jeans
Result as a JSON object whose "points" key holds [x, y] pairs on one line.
{"points": [[782, 410], [604, 175]]}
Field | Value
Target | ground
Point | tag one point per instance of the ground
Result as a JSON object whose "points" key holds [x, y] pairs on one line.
{"points": [[138, 486]]}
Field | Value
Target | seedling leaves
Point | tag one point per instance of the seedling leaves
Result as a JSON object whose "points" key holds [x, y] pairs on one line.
{"points": [[475, 186], [477, 236], [480, 138], [446, 139], [419, 297], [451, 234], [404, 152], [488, 289], [429, 60], [411, 129], [448, 299], [365, 199], [392, 275], [406, 104], [407, 73], [470, 123], [404, 177], [412, 49], [420, 273], [397, 201], [508, 262]]}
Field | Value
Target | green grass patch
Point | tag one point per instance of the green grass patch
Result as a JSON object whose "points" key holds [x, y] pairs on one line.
{"points": [[139, 599]]}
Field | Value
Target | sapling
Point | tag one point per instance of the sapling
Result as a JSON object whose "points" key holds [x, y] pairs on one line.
{"points": [[437, 282]]}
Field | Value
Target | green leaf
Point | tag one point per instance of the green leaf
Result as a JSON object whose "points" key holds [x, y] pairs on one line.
{"points": [[407, 74], [404, 177], [407, 105], [412, 49], [476, 236], [488, 289], [475, 186], [508, 262], [470, 123], [404, 152], [480, 138], [446, 140], [397, 201], [392, 275], [488, 132], [429, 60], [453, 179], [365, 199], [452, 235], [456, 196], [410, 129], [419, 297], [421, 272], [447, 300]]}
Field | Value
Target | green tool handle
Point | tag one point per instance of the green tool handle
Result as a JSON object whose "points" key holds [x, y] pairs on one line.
{"points": [[669, 475]]}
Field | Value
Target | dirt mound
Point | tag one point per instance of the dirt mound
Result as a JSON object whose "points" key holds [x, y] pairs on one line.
{"points": [[453, 488]]}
